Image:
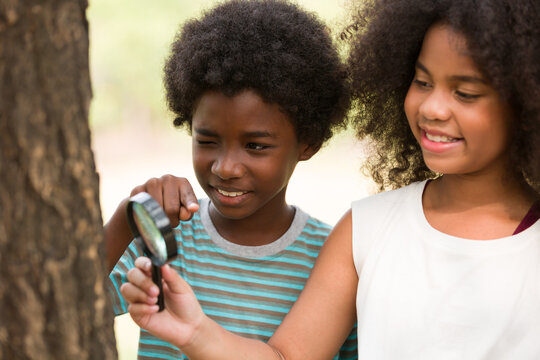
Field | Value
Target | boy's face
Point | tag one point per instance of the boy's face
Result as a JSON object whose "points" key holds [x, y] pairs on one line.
{"points": [[244, 152]]}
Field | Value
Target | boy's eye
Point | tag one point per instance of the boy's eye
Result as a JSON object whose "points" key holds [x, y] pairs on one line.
{"points": [[205, 142], [256, 146]]}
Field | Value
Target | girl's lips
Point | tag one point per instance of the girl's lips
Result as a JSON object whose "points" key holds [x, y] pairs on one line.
{"points": [[438, 143]]}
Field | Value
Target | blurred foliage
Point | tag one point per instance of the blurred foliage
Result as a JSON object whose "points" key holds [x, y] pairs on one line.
{"points": [[129, 42]]}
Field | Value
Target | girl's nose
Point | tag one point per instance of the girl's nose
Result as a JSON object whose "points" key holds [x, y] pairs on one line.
{"points": [[227, 166], [436, 106]]}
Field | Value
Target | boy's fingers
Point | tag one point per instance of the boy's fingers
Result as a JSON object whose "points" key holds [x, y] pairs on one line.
{"points": [[187, 213], [133, 294], [171, 200], [174, 282], [174, 194], [137, 189], [189, 201], [154, 187], [137, 311], [144, 263], [187, 194], [139, 279]]}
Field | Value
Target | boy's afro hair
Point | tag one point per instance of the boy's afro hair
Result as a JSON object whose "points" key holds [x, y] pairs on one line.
{"points": [[271, 47], [503, 38]]}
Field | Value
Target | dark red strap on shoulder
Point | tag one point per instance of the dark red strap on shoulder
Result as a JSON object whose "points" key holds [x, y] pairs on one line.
{"points": [[530, 218]]}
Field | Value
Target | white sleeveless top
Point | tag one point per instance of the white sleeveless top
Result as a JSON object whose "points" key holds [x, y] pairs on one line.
{"points": [[426, 295]]}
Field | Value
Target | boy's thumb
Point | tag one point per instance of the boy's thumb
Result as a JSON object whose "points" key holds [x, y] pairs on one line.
{"points": [[175, 283]]}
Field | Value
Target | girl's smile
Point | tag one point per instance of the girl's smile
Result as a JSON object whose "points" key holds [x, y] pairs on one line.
{"points": [[438, 143]]}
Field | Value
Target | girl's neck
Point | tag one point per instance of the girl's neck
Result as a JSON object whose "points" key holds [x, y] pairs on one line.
{"points": [[477, 208], [470, 191]]}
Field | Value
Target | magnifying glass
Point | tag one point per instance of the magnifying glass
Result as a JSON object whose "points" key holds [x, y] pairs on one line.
{"points": [[148, 221]]}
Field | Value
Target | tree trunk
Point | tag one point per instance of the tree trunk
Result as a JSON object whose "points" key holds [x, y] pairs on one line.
{"points": [[52, 299]]}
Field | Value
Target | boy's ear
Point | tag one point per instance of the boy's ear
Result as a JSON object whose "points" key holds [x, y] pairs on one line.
{"points": [[308, 150]]}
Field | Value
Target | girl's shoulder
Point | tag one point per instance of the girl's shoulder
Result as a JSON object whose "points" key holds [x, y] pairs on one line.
{"points": [[376, 213], [388, 199]]}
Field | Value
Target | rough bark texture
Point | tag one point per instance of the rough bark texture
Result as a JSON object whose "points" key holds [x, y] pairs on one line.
{"points": [[52, 299]]}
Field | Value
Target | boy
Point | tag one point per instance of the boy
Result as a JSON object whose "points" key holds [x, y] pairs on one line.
{"points": [[259, 86]]}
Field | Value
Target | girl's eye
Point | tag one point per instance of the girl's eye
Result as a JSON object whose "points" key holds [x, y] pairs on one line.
{"points": [[466, 96], [422, 84], [256, 146]]}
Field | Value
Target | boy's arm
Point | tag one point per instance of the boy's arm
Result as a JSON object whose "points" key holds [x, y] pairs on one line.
{"points": [[117, 235], [173, 193], [315, 328]]}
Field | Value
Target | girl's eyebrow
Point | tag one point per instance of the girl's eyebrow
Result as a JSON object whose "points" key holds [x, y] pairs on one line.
{"points": [[463, 78], [419, 66], [469, 78]]}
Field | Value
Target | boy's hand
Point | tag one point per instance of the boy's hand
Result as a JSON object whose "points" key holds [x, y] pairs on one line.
{"points": [[174, 194], [182, 315]]}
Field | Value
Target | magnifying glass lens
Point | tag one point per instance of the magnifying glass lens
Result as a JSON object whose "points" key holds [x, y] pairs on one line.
{"points": [[150, 234]]}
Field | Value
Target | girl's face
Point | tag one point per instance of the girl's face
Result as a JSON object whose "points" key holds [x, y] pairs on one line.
{"points": [[459, 120]]}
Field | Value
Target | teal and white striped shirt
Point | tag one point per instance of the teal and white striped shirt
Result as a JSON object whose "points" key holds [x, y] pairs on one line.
{"points": [[246, 289]]}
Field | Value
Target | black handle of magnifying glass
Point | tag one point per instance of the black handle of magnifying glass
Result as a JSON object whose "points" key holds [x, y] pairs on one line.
{"points": [[156, 278]]}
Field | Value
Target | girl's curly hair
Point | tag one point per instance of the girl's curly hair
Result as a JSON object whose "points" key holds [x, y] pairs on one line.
{"points": [[503, 37], [272, 47]]}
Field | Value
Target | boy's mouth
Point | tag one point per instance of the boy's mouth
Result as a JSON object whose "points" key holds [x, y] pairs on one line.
{"points": [[231, 193]]}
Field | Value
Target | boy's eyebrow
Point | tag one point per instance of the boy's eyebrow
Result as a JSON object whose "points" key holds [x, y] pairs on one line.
{"points": [[259, 134], [204, 132], [464, 78], [253, 134]]}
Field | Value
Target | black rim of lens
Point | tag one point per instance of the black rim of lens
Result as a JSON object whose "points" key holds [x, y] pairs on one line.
{"points": [[160, 219]]}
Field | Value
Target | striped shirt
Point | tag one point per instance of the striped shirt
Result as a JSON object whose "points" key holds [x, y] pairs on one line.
{"points": [[246, 289]]}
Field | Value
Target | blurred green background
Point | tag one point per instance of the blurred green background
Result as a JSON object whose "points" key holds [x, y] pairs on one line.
{"points": [[133, 136], [129, 42]]}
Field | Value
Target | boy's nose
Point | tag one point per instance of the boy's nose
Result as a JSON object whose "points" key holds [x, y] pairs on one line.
{"points": [[227, 167], [436, 106]]}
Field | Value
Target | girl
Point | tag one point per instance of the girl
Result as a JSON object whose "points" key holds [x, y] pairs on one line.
{"points": [[448, 265]]}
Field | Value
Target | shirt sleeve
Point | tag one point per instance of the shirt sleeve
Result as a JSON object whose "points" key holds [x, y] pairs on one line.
{"points": [[118, 276]]}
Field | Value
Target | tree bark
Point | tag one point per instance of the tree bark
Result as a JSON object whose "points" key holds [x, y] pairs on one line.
{"points": [[52, 275]]}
